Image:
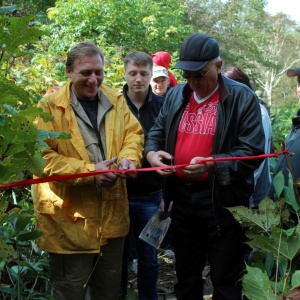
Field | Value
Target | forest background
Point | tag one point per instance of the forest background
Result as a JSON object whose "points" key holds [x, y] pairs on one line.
{"points": [[34, 39]]}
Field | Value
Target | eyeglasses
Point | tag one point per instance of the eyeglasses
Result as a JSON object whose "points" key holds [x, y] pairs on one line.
{"points": [[88, 73], [187, 75]]}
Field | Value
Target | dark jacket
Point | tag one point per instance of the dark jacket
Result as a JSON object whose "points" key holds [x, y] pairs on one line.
{"points": [[145, 182], [239, 132]]}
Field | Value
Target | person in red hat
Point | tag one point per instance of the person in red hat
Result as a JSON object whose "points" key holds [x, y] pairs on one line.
{"points": [[208, 116], [163, 59]]}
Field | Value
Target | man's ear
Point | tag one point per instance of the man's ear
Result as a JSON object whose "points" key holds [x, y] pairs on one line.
{"points": [[219, 65], [68, 72]]}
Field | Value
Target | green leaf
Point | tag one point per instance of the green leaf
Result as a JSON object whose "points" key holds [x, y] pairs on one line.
{"points": [[22, 221], [32, 112], [43, 135], [32, 235], [37, 164], [8, 9], [264, 218], [7, 252], [19, 268], [289, 194], [44, 115], [278, 182], [278, 243], [9, 291], [269, 263], [295, 279], [11, 93], [31, 265], [3, 208], [283, 265], [18, 31], [257, 285]]}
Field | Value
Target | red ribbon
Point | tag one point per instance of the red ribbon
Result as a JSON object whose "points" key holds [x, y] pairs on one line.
{"points": [[93, 173]]}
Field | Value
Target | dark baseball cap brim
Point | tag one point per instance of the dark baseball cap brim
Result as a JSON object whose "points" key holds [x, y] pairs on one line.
{"points": [[293, 72], [190, 65]]}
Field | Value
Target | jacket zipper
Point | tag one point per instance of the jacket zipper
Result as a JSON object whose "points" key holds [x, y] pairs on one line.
{"points": [[214, 177]]}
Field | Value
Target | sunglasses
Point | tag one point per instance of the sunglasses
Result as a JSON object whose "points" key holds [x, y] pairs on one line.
{"points": [[188, 75], [88, 73]]}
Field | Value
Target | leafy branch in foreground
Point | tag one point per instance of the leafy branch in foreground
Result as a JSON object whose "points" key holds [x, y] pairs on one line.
{"points": [[24, 271], [274, 234]]}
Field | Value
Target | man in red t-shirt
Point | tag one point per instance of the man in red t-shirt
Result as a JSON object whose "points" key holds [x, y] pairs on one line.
{"points": [[209, 116]]}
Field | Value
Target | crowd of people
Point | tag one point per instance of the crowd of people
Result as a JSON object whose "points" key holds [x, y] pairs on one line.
{"points": [[91, 225]]}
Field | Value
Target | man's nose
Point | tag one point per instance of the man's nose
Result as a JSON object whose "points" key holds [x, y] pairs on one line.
{"points": [[138, 78], [93, 77], [192, 80]]}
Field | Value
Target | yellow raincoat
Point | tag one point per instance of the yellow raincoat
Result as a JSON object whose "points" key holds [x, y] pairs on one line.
{"points": [[74, 216]]}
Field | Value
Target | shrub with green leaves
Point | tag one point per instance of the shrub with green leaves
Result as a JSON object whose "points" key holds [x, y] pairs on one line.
{"points": [[24, 272], [274, 232]]}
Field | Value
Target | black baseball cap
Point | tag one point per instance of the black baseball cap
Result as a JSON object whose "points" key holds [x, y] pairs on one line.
{"points": [[293, 72], [196, 51]]}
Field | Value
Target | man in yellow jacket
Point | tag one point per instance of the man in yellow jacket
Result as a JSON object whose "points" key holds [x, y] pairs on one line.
{"points": [[84, 221]]}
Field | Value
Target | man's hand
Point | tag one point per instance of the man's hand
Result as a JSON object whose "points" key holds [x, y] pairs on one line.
{"points": [[127, 165], [155, 160], [196, 170], [106, 180], [164, 214]]}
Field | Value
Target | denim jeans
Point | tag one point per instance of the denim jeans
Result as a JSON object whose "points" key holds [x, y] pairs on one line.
{"points": [[141, 209]]}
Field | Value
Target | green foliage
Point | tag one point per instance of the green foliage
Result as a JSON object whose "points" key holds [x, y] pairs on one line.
{"points": [[261, 221], [7, 252], [236, 25], [256, 285], [25, 6], [118, 27], [15, 32], [20, 142], [23, 268], [274, 232], [11, 93], [151, 28], [281, 122]]}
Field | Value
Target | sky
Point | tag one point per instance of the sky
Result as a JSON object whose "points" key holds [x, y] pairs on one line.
{"points": [[288, 7]]}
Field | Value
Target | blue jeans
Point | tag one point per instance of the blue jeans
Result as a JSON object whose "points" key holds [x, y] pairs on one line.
{"points": [[141, 209]]}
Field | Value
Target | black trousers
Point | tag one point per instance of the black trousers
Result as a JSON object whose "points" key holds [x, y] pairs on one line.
{"points": [[73, 274], [199, 236]]}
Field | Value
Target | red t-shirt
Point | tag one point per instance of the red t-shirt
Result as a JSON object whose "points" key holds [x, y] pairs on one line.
{"points": [[195, 135]]}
